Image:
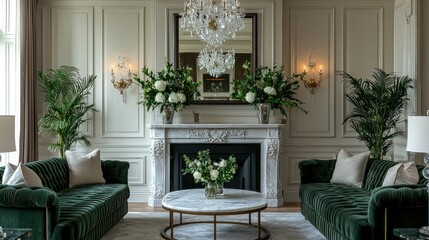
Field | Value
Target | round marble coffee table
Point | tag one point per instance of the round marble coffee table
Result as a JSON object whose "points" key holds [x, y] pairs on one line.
{"points": [[232, 202]]}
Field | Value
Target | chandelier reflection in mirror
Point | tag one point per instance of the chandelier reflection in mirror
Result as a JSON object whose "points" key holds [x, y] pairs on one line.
{"points": [[312, 77], [122, 79], [213, 21], [215, 61]]}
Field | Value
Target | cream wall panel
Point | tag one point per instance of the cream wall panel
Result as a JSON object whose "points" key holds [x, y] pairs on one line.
{"points": [[306, 24], [137, 171], [363, 48], [72, 28], [122, 36], [73, 45]]}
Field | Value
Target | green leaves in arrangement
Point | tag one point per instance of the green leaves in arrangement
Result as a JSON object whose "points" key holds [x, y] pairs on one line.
{"points": [[169, 87], [378, 107], [268, 85], [65, 95], [204, 170]]}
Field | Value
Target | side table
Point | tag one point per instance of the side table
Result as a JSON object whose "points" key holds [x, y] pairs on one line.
{"points": [[409, 233]]}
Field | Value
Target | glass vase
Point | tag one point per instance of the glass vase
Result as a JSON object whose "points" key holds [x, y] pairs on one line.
{"points": [[219, 189], [210, 190], [167, 115], [263, 112]]}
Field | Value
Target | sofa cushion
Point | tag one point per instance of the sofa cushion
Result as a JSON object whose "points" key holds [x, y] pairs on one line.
{"points": [[401, 173], [350, 169], [9, 170], [84, 169], [84, 207], [21, 175], [342, 206]]}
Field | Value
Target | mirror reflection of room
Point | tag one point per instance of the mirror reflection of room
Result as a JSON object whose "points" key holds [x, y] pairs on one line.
{"points": [[215, 88]]}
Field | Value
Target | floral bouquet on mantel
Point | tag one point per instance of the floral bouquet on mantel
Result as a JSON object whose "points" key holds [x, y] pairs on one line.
{"points": [[211, 174], [268, 86], [171, 89]]}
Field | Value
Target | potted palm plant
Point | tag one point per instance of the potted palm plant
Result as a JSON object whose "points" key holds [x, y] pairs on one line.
{"points": [[378, 107], [65, 94]]}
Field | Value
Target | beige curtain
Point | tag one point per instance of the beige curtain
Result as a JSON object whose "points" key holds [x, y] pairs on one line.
{"points": [[28, 112]]}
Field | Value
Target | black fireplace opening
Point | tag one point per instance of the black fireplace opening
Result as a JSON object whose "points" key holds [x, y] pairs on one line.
{"points": [[248, 160]]}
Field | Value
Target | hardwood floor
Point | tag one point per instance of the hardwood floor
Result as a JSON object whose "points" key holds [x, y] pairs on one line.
{"points": [[143, 207]]}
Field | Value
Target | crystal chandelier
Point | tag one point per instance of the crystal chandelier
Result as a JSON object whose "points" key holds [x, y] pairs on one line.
{"points": [[215, 61], [213, 21]]}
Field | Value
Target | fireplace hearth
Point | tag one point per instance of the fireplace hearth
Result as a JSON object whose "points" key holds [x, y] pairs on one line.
{"points": [[248, 160]]}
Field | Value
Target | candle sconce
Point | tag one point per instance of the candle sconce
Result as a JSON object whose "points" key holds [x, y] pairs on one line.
{"points": [[312, 77], [122, 79]]}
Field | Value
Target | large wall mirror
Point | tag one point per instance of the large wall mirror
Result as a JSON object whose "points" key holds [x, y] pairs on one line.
{"points": [[216, 90]]}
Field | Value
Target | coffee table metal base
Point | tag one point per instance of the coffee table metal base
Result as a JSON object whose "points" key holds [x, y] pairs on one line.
{"points": [[262, 232]]}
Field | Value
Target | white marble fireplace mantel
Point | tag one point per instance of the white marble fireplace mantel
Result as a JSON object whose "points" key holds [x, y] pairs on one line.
{"points": [[269, 136]]}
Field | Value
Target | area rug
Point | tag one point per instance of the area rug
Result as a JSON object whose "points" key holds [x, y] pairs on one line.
{"points": [[148, 225]]}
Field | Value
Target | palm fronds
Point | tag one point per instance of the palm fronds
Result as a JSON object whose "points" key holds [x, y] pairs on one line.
{"points": [[379, 105], [66, 99]]}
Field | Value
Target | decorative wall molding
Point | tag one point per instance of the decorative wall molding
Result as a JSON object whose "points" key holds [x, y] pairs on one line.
{"points": [[72, 44], [364, 48], [303, 44], [137, 170], [148, 30], [216, 135], [115, 125]]}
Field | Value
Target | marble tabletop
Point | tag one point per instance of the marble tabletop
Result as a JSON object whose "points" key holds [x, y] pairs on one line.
{"points": [[232, 200]]}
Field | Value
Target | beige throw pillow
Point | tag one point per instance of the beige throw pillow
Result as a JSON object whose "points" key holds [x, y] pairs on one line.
{"points": [[350, 169], [84, 169], [21, 175], [401, 173]]}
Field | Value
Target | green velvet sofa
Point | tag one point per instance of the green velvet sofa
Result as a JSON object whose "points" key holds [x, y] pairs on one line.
{"points": [[56, 211], [344, 212]]}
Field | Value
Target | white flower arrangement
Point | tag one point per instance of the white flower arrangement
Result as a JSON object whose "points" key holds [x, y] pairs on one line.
{"points": [[268, 85], [204, 170], [171, 87]]}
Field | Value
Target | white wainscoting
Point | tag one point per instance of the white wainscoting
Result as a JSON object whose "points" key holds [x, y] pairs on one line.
{"points": [[344, 35]]}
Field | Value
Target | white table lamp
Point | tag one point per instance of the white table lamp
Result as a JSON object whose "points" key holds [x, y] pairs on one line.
{"points": [[418, 141], [7, 134]]}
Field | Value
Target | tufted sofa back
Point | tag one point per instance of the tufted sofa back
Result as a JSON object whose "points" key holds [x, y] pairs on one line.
{"points": [[53, 172], [377, 169]]}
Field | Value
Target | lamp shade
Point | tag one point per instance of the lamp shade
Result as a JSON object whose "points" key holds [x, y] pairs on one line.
{"points": [[7, 133], [418, 134]]}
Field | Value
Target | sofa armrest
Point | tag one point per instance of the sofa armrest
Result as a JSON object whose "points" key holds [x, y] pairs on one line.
{"points": [[316, 171], [115, 171], [399, 206], [24, 197], [36, 208]]}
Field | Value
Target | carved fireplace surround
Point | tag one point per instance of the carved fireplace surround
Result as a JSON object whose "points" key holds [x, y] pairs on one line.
{"points": [[269, 136]]}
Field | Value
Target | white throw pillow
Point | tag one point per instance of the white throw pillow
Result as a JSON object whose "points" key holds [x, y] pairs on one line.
{"points": [[84, 169], [9, 170], [401, 173], [21, 175], [350, 169]]}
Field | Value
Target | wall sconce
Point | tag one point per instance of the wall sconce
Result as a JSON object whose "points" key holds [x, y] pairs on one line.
{"points": [[312, 77], [122, 79]]}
